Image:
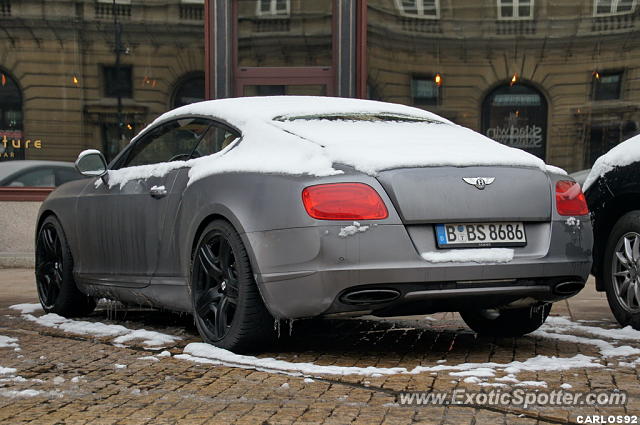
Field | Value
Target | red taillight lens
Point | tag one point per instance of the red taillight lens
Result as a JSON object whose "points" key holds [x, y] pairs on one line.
{"points": [[343, 201], [569, 199]]}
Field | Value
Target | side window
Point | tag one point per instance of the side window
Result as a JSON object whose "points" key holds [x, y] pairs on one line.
{"points": [[38, 178], [174, 141], [216, 139]]}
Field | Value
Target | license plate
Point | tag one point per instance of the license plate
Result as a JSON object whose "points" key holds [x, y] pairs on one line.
{"points": [[469, 235]]}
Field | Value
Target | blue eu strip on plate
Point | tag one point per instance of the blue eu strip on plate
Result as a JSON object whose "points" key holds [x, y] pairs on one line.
{"points": [[442, 236]]}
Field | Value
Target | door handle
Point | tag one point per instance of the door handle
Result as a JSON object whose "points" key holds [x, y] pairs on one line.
{"points": [[158, 192]]}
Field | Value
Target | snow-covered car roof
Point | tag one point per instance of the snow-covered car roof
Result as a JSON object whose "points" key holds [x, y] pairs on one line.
{"points": [[623, 154], [242, 110], [309, 135]]}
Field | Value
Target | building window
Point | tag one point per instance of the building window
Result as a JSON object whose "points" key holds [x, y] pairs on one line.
{"points": [[118, 83], [189, 89], [516, 115], [613, 7], [607, 85], [105, 9], [425, 91], [192, 10], [515, 9], [419, 8], [10, 119], [5, 7], [277, 8]]}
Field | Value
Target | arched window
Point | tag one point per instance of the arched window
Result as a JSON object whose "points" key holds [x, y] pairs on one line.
{"points": [[516, 115], [190, 89], [10, 118]]}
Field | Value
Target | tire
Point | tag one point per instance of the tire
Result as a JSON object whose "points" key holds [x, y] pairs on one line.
{"points": [[227, 307], [623, 297], [507, 323], [57, 290]]}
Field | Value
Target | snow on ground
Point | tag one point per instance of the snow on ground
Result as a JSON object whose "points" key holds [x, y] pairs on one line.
{"points": [[483, 374], [563, 329], [26, 308], [272, 128], [479, 372], [151, 339], [623, 154], [352, 230], [481, 255], [8, 342]]}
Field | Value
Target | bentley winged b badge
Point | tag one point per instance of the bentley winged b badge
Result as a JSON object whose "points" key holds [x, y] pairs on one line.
{"points": [[479, 182]]}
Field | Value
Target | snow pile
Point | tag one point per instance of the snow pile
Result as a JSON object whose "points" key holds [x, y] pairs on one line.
{"points": [[150, 339], [314, 146], [8, 342], [352, 230], [26, 308], [371, 147], [559, 328], [481, 255], [208, 354], [623, 154]]}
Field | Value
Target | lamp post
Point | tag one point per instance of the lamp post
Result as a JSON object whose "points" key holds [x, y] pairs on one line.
{"points": [[119, 49]]}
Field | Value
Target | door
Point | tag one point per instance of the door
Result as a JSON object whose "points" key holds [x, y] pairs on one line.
{"points": [[121, 227]]}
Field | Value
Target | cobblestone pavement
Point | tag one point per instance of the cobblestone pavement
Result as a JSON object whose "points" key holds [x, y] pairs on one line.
{"points": [[78, 379]]}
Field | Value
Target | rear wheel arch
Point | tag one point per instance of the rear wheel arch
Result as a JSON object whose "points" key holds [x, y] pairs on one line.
{"points": [[233, 221]]}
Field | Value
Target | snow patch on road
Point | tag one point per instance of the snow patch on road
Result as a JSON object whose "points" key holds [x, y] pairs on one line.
{"points": [[473, 372], [150, 339], [8, 342], [482, 255], [26, 308]]}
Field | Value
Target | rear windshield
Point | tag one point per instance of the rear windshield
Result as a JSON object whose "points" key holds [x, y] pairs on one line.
{"points": [[380, 117]]}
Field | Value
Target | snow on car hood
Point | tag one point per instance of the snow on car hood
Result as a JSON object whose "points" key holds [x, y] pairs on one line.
{"points": [[625, 153], [274, 141]]}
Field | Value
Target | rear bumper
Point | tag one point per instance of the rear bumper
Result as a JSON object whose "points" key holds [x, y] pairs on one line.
{"points": [[306, 272]]}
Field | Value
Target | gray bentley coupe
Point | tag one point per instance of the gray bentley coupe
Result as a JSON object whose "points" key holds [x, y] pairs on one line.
{"points": [[249, 210]]}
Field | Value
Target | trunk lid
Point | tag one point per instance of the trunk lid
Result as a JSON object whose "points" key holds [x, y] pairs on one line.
{"points": [[441, 194]]}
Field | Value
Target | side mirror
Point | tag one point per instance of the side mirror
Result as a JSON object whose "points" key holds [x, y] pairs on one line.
{"points": [[91, 163]]}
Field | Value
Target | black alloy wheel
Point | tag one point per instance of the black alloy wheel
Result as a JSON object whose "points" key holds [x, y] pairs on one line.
{"points": [[216, 289], [228, 309], [49, 262], [56, 287]]}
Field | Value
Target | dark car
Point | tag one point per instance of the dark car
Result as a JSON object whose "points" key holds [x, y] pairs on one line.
{"points": [[37, 173], [613, 194]]}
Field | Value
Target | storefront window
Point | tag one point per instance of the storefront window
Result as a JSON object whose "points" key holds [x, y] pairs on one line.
{"points": [[516, 115], [11, 137]]}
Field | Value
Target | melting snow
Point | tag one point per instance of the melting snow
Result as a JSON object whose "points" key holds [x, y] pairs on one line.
{"points": [[482, 255], [26, 308], [123, 334], [8, 342]]}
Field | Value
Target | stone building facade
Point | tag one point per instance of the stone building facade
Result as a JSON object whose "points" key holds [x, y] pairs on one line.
{"points": [[59, 83], [559, 78]]}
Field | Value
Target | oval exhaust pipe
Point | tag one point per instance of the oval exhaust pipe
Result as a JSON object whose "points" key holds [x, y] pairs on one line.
{"points": [[568, 288], [370, 296]]}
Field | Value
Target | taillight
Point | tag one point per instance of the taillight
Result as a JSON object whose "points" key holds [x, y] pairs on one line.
{"points": [[569, 199], [343, 201]]}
